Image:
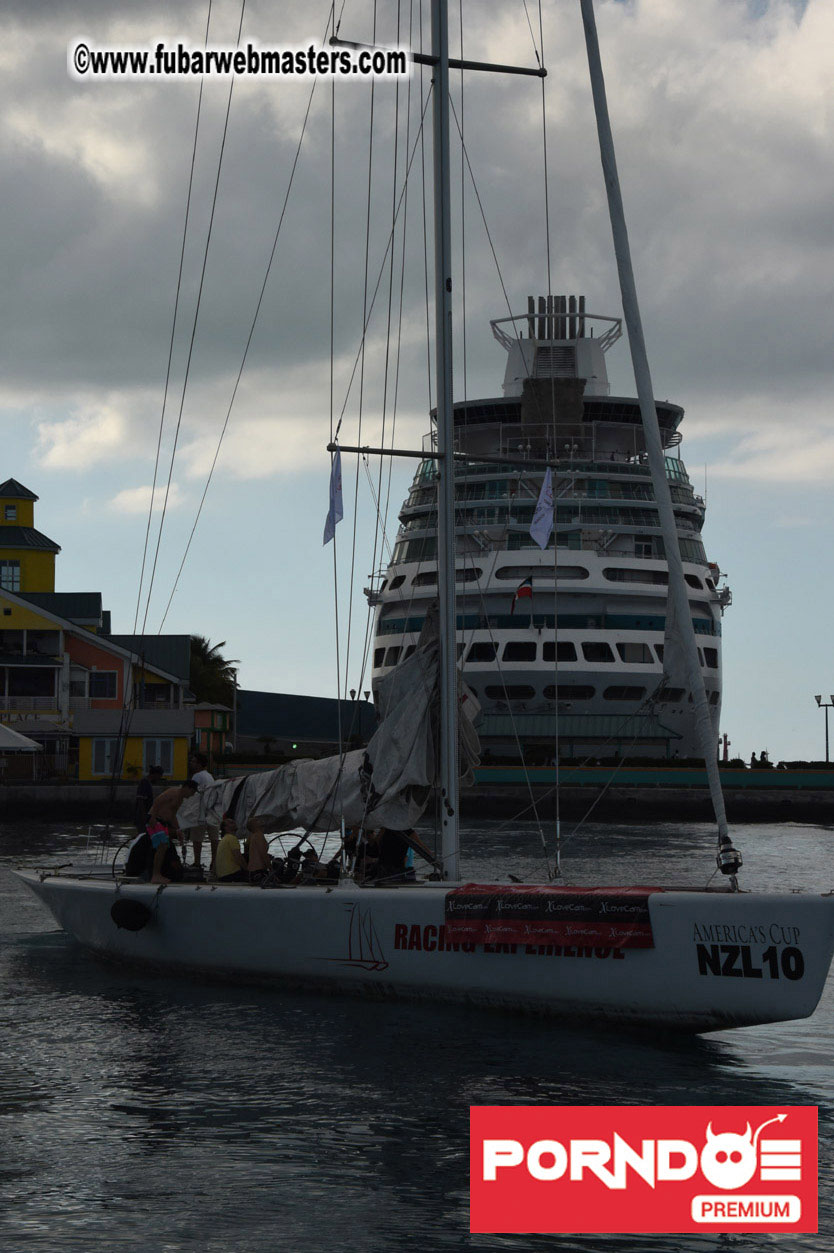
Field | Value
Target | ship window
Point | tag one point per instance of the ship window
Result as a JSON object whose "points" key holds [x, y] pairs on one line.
{"points": [[411, 648], [10, 513], [564, 650], [596, 650], [636, 654], [644, 546], [710, 584], [512, 691], [518, 573], [379, 656], [624, 692], [428, 578], [569, 691], [393, 655], [620, 574], [714, 698], [711, 658], [693, 581], [395, 583], [520, 650], [482, 650], [692, 550], [658, 648], [671, 695]]}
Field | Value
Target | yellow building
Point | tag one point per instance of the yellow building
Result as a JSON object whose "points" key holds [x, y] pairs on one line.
{"points": [[99, 704], [27, 557]]}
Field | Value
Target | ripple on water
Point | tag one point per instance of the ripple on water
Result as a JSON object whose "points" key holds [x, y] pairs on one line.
{"points": [[146, 1113]]}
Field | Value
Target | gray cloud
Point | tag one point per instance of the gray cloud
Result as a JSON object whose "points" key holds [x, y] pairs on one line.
{"points": [[725, 146]]}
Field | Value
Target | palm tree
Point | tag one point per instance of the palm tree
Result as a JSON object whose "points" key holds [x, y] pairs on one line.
{"points": [[212, 676]]}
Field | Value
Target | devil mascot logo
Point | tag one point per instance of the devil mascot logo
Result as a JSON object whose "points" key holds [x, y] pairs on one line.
{"points": [[729, 1160]]}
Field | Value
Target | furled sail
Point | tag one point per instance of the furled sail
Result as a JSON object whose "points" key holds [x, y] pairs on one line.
{"points": [[679, 682], [386, 784]]}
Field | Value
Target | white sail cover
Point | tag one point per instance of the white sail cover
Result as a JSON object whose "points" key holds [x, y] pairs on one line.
{"points": [[388, 784]]}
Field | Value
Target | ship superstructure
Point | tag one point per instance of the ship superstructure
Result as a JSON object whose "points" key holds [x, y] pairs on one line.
{"points": [[595, 604]]}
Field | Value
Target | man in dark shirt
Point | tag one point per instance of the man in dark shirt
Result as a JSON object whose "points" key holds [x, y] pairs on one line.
{"points": [[393, 849], [144, 797]]}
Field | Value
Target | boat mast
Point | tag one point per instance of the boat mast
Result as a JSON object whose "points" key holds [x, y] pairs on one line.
{"points": [[729, 860], [450, 843]]}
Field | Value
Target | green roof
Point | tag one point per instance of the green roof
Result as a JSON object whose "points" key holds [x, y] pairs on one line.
{"points": [[282, 714], [26, 537], [576, 726], [79, 607], [12, 488], [171, 653]]}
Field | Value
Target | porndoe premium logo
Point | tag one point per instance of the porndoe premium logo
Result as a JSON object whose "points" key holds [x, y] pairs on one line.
{"points": [[635, 1169]]}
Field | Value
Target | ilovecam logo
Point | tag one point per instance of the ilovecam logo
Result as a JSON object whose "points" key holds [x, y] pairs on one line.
{"points": [[643, 1169]]}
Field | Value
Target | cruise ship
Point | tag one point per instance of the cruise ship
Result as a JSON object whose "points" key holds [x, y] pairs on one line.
{"points": [[563, 644]]}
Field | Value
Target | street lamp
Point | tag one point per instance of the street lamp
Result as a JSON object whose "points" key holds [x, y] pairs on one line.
{"points": [[826, 705]]}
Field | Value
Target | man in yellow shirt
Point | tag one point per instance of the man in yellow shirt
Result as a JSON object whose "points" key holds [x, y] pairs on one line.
{"points": [[229, 866]]}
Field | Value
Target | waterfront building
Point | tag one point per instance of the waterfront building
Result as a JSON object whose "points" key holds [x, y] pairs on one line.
{"points": [[101, 705], [299, 726], [212, 725]]}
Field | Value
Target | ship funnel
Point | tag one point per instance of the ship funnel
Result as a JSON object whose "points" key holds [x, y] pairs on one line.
{"points": [[559, 344], [555, 317]]}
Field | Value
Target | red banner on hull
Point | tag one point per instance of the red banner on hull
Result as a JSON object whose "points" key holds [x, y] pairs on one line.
{"points": [[614, 917]]}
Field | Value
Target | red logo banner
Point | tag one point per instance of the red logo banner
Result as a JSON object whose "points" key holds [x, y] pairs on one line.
{"points": [[613, 917], [636, 1169]]}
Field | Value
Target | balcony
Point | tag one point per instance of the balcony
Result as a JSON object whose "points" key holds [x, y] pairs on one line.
{"points": [[29, 704]]}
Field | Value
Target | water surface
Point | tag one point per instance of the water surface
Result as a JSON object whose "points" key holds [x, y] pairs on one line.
{"points": [[150, 1113]]}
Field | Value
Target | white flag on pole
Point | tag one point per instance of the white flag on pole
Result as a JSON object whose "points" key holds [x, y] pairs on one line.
{"points": [[336, 511], [542, 523]]}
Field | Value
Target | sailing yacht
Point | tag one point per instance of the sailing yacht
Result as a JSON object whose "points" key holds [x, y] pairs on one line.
{"points": [[691, 958]]}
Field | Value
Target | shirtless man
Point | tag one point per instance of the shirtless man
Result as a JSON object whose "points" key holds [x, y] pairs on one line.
{"points": [[258, 863], [164, 814]]}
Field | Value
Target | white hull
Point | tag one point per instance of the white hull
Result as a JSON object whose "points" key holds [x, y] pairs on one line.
{"points": [[719, 959]]}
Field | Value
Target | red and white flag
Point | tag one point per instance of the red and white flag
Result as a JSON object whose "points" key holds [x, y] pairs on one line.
{"points": [[523, 589]]}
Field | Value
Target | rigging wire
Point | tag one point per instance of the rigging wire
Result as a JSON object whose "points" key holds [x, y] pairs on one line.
{"points": [[293, 169], [398, 353], [128, 697], [557, 805], [362, 352], [387, 363], [193, 333], [332, 386], [425, 95], [173, 332], [462, 212], [380, 274]]}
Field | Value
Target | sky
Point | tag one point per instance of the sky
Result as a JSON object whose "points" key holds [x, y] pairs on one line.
{"points": [[725, 144]]}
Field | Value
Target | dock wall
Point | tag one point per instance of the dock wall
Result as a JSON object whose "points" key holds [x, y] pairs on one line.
{"points": [[625, 795]]}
